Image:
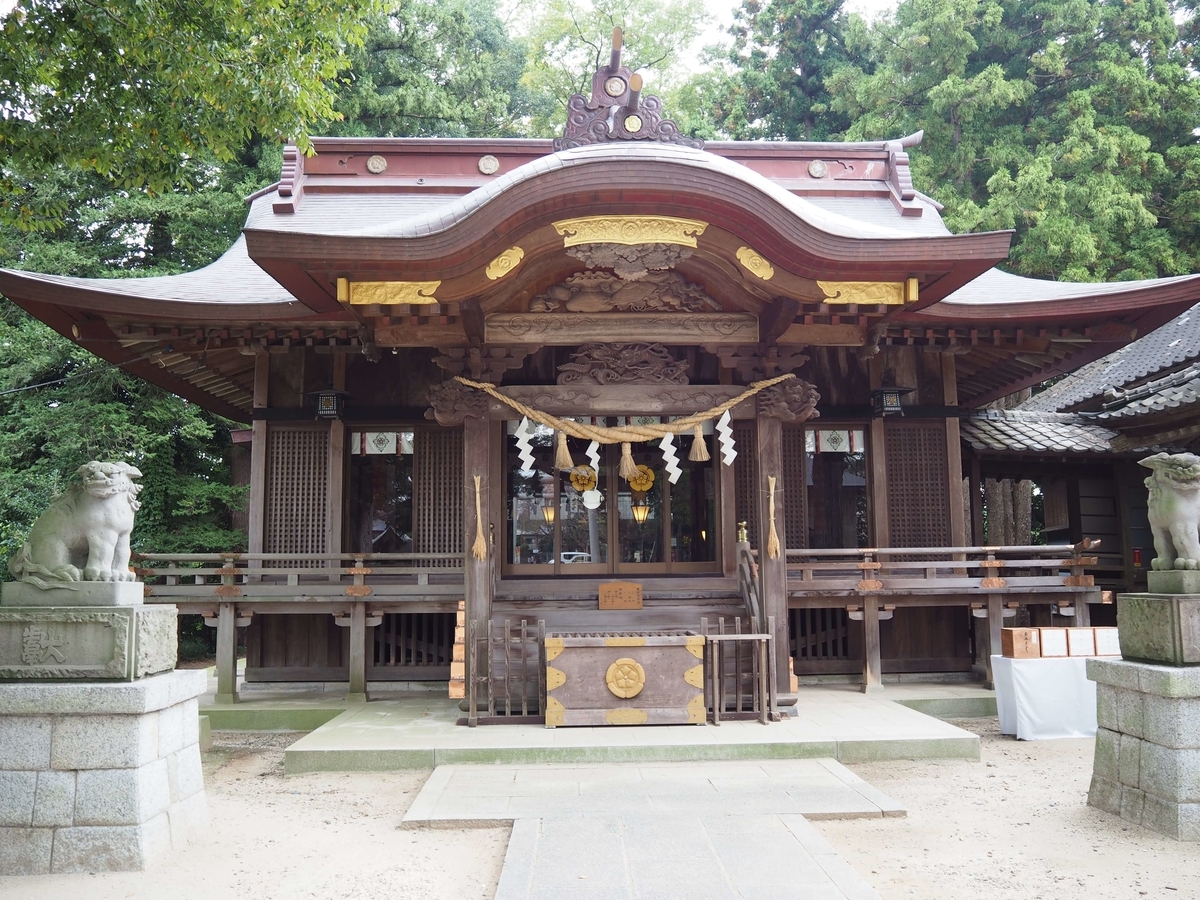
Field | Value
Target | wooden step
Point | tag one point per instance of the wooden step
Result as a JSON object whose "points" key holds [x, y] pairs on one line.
{"points": [[458, 681]]}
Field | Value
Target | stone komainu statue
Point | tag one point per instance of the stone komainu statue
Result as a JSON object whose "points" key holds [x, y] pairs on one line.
{"points": [[84, 535], [1174, 509]]}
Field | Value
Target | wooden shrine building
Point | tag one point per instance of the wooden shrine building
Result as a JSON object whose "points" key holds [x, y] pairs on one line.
{"points": [[623, 276], [1080, 440]]}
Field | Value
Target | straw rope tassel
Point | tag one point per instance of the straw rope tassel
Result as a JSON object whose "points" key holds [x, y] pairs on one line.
{"points": [[699, 448], [562, 456], [629, 469], [773, 535], [479, 548]]}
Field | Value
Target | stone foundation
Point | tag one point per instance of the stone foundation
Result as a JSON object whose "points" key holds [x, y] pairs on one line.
{"points": [[1147, 764], [1163, 627], [98, 777], [102, 642]]}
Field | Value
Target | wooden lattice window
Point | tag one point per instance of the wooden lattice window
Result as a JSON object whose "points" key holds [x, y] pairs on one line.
{"points": [[820, 634], [414, 639], [795, 532], [745, 476], [297, 491], [917, 487], [438, 491]]}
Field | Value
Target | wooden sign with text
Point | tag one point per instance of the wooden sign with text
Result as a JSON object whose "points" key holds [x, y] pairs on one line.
{"points": [[621, 595]]}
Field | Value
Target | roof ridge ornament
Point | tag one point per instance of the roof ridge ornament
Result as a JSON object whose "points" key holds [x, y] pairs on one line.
{"points": [[617, 111]]}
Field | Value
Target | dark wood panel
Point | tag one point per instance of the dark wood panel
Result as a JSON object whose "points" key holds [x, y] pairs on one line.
{"points": [[794, 477], [917, 501], [437, 485], [296, 519], [295, 641], [745, 473], [926, 633]]}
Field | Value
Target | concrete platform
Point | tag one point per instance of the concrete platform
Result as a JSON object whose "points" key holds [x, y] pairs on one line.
{"points": [[458, 796], [968, 700], [676, 858], [420, 732], [660, 830]]}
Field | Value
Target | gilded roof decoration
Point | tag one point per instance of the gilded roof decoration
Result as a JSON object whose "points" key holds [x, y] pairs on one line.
{"points": [[386, 293], [753, 262], [630, 230], [505, 263], [867, 293]]}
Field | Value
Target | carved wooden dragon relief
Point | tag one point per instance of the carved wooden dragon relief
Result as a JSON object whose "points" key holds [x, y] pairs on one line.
{"points": [[593, 292]]}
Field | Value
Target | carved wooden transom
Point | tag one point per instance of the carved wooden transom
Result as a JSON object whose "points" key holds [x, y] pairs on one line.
{"points": [[630, 263], [591, 292], [623, 364]]}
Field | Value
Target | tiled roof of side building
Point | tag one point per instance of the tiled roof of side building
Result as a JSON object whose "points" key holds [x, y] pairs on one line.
{"points": [[1174, 391], [1165, 347], [1016, 431]]}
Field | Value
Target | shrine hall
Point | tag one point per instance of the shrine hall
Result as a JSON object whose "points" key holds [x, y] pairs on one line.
{"points": [[509, 401]]}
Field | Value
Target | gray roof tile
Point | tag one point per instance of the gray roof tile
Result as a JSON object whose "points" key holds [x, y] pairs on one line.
{"points": [[1018, 431], [1176, 342]]}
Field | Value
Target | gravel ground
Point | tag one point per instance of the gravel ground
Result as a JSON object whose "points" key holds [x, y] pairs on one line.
{"points": [[326, 836], [1015, 825]]}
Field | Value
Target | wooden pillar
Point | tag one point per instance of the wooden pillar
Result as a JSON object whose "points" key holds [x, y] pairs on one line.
{"points": [[772, 573], [337, 474], [872, 678], [728, 495], [226, 654], [954, 474], [257, 499], [995, 620], [877, 463], [976, 488], [477, 453], [357, 692]]}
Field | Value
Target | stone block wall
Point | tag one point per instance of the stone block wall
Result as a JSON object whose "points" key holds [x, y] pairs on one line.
{"points": [[1147, 762], [99, 777]]}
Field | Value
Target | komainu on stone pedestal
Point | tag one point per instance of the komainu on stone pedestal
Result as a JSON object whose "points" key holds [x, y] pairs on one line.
{"points": [[1174, 509], [84, 535], [99, 738], [77, 611]]}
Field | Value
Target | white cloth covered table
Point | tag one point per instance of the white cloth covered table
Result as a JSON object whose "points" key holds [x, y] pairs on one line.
{"points": [[1044, 698]]}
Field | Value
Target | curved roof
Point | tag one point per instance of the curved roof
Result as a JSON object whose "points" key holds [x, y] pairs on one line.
{"points": [[341, 220], [393, 217], [997, 294], [233, 287]]}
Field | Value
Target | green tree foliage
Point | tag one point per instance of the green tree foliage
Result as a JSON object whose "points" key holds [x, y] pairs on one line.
{"points": [[568, 40], [1071, 122], [444, 68], [784, 50], [92, 410], [137, 90], [60, 406]]}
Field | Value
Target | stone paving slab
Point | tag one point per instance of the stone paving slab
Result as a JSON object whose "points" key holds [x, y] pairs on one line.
{"points": [[817, 788], [681, 857], [420, 732]]}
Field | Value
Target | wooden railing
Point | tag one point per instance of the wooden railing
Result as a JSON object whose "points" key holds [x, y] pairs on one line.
{"points": [[222, 577], [748, 583], [1053, 569]]}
